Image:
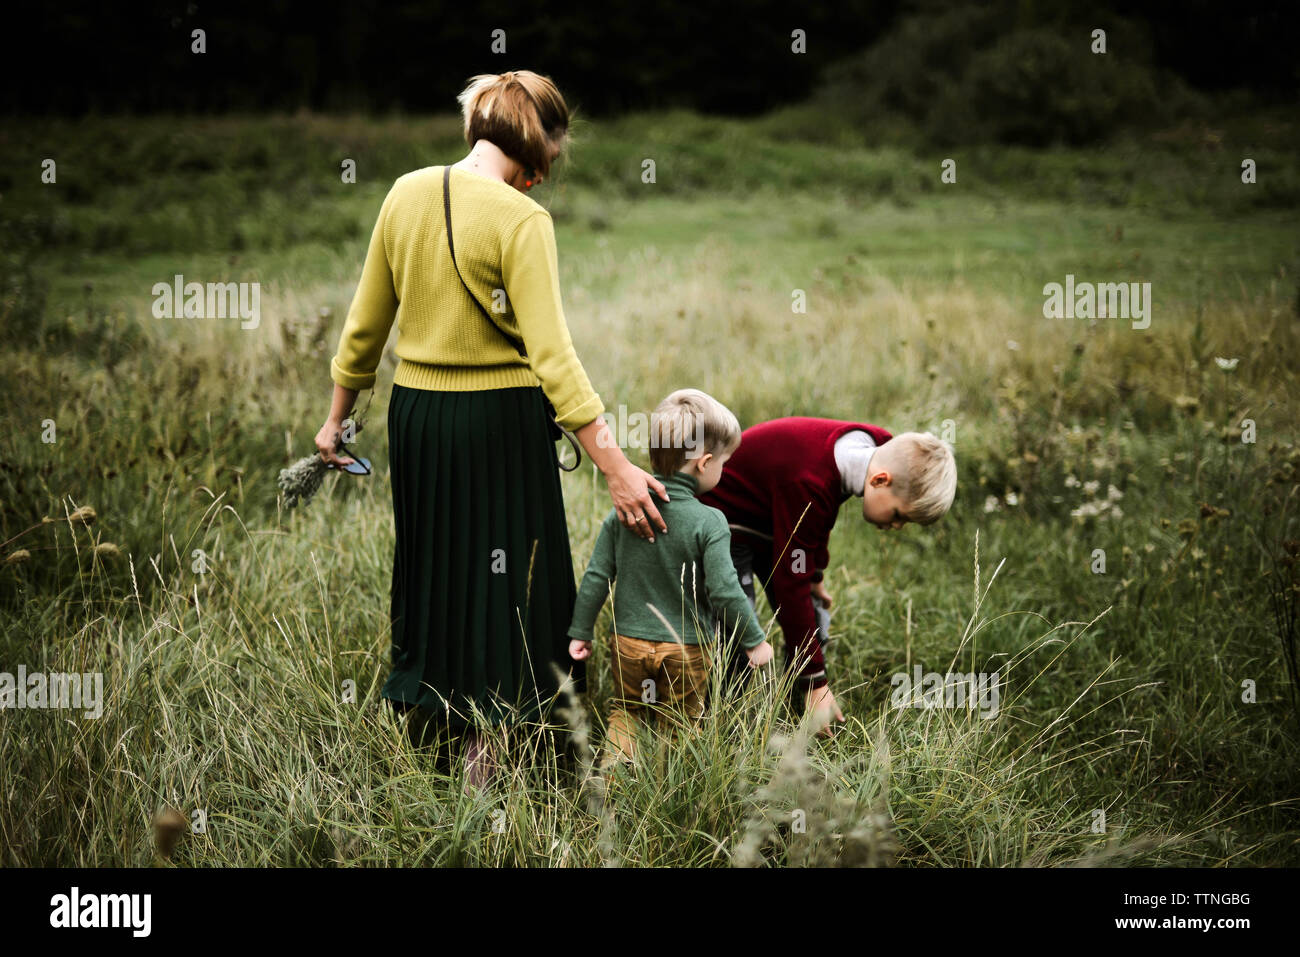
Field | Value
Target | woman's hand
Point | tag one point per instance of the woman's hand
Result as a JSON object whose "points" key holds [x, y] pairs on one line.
{"points": [[629, 487], [327, 441]]}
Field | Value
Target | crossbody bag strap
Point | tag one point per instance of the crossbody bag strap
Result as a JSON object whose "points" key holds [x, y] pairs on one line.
{"points": [[519, 347], [451, 246]]}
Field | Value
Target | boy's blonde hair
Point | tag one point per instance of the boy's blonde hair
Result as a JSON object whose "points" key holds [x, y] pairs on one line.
{"points": [[923, 472], [687, 424], [520, 112]]}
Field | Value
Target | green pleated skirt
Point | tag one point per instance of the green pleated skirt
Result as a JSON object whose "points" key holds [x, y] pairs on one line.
{"points": [[483, 586]]}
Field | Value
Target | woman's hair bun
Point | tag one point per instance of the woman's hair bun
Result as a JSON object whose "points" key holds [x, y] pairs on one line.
{"points": [[519, 111]]}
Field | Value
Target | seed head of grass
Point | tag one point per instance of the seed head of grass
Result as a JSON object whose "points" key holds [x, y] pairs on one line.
{"points": [[300, 481], [168, 827], [800, 812], [85, 515]]}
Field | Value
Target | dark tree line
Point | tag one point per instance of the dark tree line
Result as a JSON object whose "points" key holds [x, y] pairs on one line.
{"points": [[607, 55]]}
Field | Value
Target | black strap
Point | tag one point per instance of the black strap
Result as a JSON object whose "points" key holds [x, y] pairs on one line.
{"points": [[519, 346], [451, 245]]}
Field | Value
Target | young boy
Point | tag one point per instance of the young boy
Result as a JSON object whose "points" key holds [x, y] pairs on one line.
{"points": [[781, 493], [686, 577]]}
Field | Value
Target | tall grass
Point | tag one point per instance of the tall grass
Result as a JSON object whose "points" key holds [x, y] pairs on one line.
{"points": [[235, 708]]}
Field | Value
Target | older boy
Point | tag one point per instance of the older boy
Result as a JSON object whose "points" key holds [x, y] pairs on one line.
{"points": [[671, 591], [781, 493]]}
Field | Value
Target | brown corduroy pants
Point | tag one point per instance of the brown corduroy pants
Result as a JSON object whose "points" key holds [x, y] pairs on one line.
{"points": [[650, 676]]}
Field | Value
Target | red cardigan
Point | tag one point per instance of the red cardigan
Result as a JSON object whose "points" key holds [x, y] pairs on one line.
{"points": [[781, 469]]}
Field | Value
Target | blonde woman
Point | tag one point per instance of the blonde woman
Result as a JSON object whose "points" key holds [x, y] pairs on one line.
{"points": [[483, 587]]}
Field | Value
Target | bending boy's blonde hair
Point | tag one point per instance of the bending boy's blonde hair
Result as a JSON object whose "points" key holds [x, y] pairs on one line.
{"points": [[923, 471], [687, 424]]}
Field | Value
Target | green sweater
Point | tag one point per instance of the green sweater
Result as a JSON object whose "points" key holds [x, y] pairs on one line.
{"points": [[687, 575]]}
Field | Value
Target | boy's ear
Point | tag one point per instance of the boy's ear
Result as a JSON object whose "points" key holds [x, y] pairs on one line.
{"points": [[880, 479]]}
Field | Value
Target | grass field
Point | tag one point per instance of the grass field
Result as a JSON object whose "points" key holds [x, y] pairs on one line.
{"points": [[1155, 691]]}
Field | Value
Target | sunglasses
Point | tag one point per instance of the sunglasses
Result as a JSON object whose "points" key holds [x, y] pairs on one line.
{"points": [[359, 465]]}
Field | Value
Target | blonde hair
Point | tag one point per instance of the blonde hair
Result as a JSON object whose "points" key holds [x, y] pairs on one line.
{"points": [[923, 473], [520, 112], [687, 424]]}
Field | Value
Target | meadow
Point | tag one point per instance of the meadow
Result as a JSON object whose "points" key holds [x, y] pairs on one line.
{"points": [[1122, 549]]}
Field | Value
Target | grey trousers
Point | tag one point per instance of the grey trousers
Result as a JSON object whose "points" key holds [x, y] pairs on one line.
{"points": [[752, 558]]}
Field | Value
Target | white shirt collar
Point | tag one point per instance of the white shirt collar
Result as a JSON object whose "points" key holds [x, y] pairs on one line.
{"points": [[853, 451]]}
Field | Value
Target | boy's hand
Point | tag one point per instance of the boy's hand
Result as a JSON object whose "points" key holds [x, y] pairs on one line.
{"points": [[820, 702], [579, 650], [759, 655], [819, 591]]}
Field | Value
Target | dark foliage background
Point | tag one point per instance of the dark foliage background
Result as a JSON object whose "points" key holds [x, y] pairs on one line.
{"points": [[615, 56]]}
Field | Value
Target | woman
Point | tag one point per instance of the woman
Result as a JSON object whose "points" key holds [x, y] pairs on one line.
{"points": [[483, 586]]}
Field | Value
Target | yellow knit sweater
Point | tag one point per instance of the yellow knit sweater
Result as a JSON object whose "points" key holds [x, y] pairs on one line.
{"points": [[505, 247]]}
